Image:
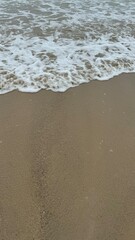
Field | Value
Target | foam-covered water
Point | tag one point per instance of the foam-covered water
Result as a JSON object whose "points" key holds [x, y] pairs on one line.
{"points": [[58, 44]]}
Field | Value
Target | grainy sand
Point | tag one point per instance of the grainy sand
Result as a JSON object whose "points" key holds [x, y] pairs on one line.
{"points": [[67, 163]]}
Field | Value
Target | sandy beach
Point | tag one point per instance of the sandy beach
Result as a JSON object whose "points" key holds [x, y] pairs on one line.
{"points": [[67, 163]]}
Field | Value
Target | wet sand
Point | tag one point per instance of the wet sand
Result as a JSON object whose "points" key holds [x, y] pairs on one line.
{"points": [[67, 163]]}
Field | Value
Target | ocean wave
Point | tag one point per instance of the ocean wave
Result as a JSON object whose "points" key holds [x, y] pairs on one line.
{"points": [[61, 44]]}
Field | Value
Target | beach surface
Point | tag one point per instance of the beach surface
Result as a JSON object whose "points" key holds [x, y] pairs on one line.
{"points": [[67, 163]]}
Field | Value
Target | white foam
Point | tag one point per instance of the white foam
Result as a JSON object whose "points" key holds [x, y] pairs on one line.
{"points": [[61, 44]]}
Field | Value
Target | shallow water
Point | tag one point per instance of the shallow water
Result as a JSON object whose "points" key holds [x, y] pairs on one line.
{"points": [[60, 44]]}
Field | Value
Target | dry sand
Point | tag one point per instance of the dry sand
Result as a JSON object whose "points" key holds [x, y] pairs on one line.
{"points": [[67, 163]]}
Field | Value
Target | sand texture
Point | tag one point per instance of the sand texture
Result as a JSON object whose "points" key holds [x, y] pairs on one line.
{"points": [[67, 163]]}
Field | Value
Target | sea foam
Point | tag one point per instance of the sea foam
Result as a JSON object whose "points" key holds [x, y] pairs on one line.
{"points": [[61, 44]]}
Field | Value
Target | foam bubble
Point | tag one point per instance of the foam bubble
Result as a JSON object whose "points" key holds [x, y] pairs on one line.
{"points": [[61, 44]]}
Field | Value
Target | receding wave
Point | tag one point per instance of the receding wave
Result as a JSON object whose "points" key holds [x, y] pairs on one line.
{"points": [[61, 44]]}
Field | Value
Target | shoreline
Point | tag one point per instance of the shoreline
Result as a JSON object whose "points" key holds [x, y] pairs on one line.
{"points": [[67, 162], [68, 89]]}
